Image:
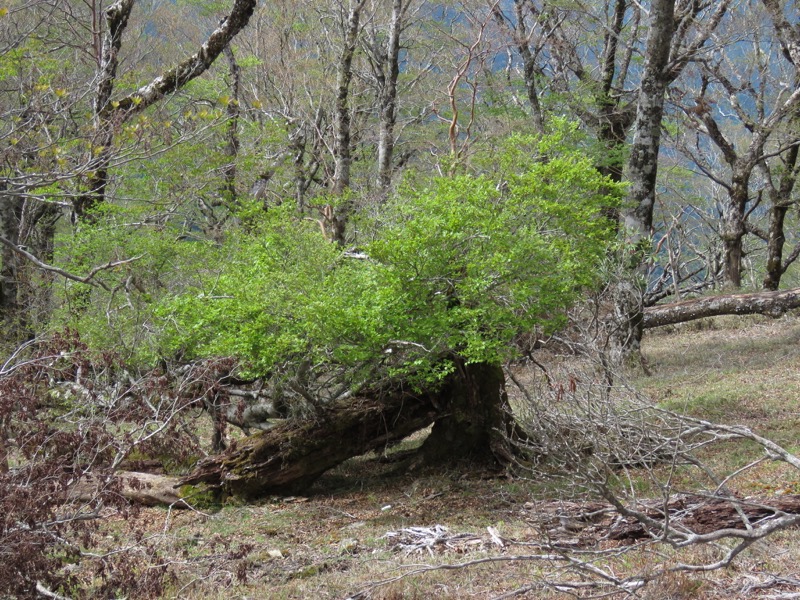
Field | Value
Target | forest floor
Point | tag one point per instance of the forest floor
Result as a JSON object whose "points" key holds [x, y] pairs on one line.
{"points": [[370, 520]]}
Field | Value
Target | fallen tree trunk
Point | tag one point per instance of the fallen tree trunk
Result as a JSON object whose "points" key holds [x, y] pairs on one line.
{"points": [[772, 304], [147, 489], [703, 516], [291, 456], [470, 411]]}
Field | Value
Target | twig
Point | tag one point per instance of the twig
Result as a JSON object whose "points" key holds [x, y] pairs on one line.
{"points": [[463, 565], [66, 274], [43, 591]]}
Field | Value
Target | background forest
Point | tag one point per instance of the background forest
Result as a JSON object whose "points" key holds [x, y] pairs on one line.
{"points": [[244, 242]]}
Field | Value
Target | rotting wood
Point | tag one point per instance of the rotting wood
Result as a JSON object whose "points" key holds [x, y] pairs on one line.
{"points": [[469, 410], [146, 489], [290, 457], [705, 516]]}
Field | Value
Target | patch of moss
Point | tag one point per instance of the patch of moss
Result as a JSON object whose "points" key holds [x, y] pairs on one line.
{"points": [[201, 497]]}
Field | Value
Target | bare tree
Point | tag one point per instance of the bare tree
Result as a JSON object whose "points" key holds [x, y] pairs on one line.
{"points": [[749, 93], [529, 38], [384, 57], [109, 115], [670, 47], [351, 26]]}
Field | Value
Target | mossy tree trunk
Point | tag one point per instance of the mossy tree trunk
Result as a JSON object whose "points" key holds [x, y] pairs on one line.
{"points": [[477, 421], [471, 419]]}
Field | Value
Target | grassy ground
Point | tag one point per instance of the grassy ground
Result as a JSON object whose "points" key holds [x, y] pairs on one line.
{"points": [[344, 536]]}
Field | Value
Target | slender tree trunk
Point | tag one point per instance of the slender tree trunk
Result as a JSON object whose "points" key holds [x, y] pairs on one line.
{"points": [[12, 316], [342, 155], [615, 119], [233, 111], [733, 231], [775, 243], [642, 171], [388, 98], [297, 146], [643, 162], [39, 229], [117, 16], [529, 69], [781, 200]]}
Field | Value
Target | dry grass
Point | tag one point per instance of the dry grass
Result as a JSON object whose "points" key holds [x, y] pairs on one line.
{"points": [[333, 543]]}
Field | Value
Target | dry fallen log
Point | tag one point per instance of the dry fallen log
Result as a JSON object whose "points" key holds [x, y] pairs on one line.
{"points": [[147, 489], [772, 304], [705, 516]]}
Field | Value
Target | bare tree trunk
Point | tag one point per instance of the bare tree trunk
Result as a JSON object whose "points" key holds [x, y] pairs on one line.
{"points": [[664, 61], [643, 162], [773, 304], [733, 230], [388, 97], [788, 34], [12, 316], [341, 151], [297, 146], [39, 230], [233, 111], [117, 16], [529, 68], [777, 239], [781, 200], [643, 168], [615, 118]]}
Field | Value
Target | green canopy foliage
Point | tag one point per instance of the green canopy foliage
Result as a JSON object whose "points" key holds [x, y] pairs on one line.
{"points": [[451, 266]]}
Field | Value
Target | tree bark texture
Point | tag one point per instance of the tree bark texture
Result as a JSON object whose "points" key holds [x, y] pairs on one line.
{"points": [[469, 411], [388, 97], [780, 200], [478, 419], [615, 116], [290, 457], [10, 221], [775, 242], [772, 304], [529, 67], [643, 162], [733, 230], [232, 111], [341, 151], [788, 34], [117, 16], [194, 66]]}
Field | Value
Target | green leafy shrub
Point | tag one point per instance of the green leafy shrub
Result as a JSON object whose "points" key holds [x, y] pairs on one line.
{"points": [[456, 265]]}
